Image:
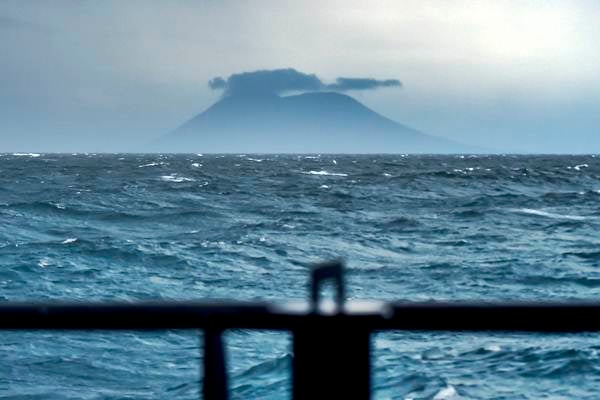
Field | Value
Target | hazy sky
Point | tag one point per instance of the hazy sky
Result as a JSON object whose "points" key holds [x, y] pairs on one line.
{"points": [[105, 75]]}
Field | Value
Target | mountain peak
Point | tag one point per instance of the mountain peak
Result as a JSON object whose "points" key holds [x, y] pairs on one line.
{"points": [[311, 122]]}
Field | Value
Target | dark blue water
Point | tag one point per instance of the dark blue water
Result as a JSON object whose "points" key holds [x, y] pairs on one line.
{"points": [[128, 227]]}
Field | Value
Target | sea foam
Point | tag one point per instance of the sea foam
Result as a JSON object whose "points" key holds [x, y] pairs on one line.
{"points": [[176, 178], [547, 214], [325, 173]]}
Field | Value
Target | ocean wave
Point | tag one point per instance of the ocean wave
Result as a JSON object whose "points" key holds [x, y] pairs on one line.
{"points": [[549, 281], [578, 167], [547, 214], [276, 364], [36, 206], [176, 178], [447, 393], [32, 155], [152, 164], [469, 213], [424, 233], [587, 255], [566, 225], [43, 263], [402, 223], [324, 173]]}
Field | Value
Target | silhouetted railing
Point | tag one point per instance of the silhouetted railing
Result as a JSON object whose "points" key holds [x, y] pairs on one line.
{"points": [[331, 341]]}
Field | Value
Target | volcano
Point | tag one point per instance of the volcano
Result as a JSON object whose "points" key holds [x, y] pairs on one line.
{"points": [[314, 122]]}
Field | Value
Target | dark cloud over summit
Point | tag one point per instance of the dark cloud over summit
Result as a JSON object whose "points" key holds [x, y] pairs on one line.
{"points": [[217, 83], [279, 81], [267, 82]]}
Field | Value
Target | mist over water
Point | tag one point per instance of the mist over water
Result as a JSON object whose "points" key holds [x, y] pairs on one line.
{"points": [[131, 227]]}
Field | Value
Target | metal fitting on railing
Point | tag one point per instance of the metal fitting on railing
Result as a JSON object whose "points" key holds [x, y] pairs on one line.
{"points": [[323, 272]]}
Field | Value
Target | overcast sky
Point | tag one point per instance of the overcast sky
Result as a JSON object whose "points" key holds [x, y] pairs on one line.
{"points": [[107, 75]]}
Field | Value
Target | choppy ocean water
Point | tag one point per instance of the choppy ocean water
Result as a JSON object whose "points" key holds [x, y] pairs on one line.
{"points": [[127, 227]]}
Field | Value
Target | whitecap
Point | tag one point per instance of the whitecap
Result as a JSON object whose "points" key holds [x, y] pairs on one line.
{"points": [[494, 348], [386, 174], [199, 285], [323, 187], [448, 392], [43, 263], [578, 167], [255, 159], [334, 162], [26, 155], [69, 240], [152, 164], [196, 165], [176, 178], [547, 214], [325, 173]]}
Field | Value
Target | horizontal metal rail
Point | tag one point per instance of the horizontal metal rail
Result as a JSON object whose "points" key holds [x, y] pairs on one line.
{"points": [[525, 317]]}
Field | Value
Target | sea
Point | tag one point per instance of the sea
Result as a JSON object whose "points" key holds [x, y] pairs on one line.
{"points": [[129, 227]]}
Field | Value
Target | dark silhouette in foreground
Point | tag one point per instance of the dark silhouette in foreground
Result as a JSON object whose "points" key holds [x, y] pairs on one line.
{"points": [[331, 341]]}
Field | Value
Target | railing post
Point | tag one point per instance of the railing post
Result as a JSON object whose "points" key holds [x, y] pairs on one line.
{"points": [[330, 361], [215, 369]]}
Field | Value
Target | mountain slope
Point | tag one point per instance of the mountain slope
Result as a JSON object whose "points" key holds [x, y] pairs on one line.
{"points": [[318, 122]]}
